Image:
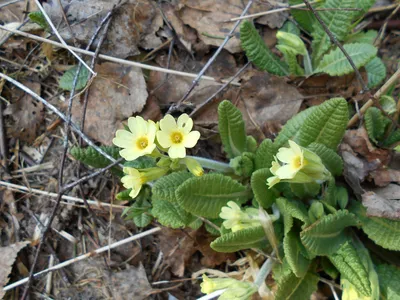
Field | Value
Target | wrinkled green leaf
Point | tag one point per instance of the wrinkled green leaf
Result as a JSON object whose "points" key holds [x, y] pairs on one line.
{"points": [[376, 72], [389, 278], [171, 214], [293, 253], [165, 187], [264, 195], [265, 154], [291, 287], [292, 209], [67, 80], [331, 160], [375, 123]]}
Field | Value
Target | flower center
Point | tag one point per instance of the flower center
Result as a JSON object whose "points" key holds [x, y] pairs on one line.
{"points": [[176, 137], [297, 162], [142, 143]]}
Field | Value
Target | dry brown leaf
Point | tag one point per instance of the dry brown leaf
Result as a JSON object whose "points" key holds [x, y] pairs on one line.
{"points": [[115, 94], [177, 248], [208, 18], [134, 24], [378, 206], [268, 99], [7, 257], [383, 177], [26, 112]]}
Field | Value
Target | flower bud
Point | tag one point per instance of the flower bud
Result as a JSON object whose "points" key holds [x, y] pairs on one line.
{"points": [[243, 165], [193, 166]]}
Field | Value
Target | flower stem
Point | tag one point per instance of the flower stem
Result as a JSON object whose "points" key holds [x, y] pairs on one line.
{"points": [[213, 164], [265, 270]]}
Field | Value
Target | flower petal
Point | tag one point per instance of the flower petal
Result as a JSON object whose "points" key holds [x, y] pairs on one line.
{"points": [[129, 154], [296, 148], [164, 139], [272, 181], [286, 172], [132, 172], [185, 123], [132, 124], [285, 155], [123, 139], [135, 191], [168, 123], [177, 151], [151, 131], [141, 128], [190, 140]]}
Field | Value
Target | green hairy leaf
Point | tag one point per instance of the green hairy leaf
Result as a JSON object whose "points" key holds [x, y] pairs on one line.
{"points": [[394, 137], [292, 247], [376, 72], [375, 123], [291, 287], [38, 18], [124, 195], [382, 231], [335, 62], [349, 264], [164, 188], [331, 160], [365, 5], [231, 129], [305, 18], [326, 124], [142, 162], [325, 236], [265, 154], [264, 195], [91, 157], [206, 195], [291, 59], [364, 37], [138, 211], [388, 104], [338, 22], [258, 52], [253, 237], [292, 209], [389, 278], [329, 268], [67, 80], [305, 190], [291, 129], [290, 27], [330, 192], [171, 214]]}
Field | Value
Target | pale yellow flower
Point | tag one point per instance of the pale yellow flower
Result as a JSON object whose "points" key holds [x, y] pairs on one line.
{"points": [[210, 285], [133, 180], [139, 141], [236, 219], [177, 136], [299, 166], [293, 158]]}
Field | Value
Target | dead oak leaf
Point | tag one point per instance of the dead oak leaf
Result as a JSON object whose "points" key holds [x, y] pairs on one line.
{"points": [[383, 177], [115, 94], [7, 257], [26, 112], [378, 206]]}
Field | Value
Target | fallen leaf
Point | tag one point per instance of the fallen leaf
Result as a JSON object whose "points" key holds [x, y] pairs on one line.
{"points": [[390, 192], [134, 24], [7, 257], [268, 99], [26, 112], [177, 248], [208, 18], [131, 283], [378, 206], [359, 142], [382, 177], [115, 94]]}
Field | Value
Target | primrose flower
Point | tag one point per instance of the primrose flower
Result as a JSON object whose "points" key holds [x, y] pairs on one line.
{"points": [[177, 136], [134, 179], [194, 166], [235, 289], [299, 166], [236, 219], [138, 141]]}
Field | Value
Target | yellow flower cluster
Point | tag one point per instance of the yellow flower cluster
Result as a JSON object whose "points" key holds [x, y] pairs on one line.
{"points": [[299, 165], [142, 137]]}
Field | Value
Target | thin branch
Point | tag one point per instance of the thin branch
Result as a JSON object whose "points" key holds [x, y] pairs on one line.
{"points": [[269, 12], [60, 38], [23, 189], [110, 58], [211, 60], [8, 3], [392, 80], [207, 101], [336, 42], [84, 256], [74, 127]]}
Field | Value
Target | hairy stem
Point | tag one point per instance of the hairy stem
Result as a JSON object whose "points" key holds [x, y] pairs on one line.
{"points": [[213, 164]]}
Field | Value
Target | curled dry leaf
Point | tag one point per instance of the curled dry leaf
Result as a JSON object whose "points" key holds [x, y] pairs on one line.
{"points": [[7, 257], [115, 94], [26, 112], [134, 24], [208, 18], [378, 206]]}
